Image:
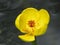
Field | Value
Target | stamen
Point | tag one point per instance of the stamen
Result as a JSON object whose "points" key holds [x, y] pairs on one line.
{"points": [[31, 23]]}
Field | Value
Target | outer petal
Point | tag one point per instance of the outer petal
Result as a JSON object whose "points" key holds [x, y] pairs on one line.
{"points": [[27, 37], [44, 17], [41, 31], [42, 23], [23, 18]]}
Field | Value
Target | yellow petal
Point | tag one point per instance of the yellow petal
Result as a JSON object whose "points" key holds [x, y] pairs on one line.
{"points": [[42, 23], [22, 19], [44, 17], [27, 37], [40, 31]]}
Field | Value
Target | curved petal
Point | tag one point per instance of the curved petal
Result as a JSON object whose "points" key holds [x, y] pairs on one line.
{"points": [[44, 17], [40, 31], [42, 23], [27, 37], [23, 18]]}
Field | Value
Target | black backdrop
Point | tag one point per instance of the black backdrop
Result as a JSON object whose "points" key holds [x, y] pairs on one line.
{"points": [[9, 9]]}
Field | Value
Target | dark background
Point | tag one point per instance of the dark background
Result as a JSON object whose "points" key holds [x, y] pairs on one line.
{"points": [[9, 9]]}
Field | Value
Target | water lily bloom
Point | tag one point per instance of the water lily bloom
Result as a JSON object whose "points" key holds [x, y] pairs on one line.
{"points": [[32, 22]]}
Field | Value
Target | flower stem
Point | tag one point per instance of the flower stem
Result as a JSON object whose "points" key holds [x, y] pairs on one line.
{"points": [[34, 42]]}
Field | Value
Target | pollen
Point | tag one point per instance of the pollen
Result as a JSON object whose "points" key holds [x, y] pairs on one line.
{"points": [[31, 23]]}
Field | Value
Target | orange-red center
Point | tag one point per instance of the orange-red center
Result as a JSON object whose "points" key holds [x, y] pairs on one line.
{"points": [[31, 23]]}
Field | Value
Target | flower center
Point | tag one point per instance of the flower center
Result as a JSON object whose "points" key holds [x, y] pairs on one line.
{"points": [[31, 23]]}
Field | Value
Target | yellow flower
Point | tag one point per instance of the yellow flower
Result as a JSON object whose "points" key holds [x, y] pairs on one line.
{"points": [[32, 22]]}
